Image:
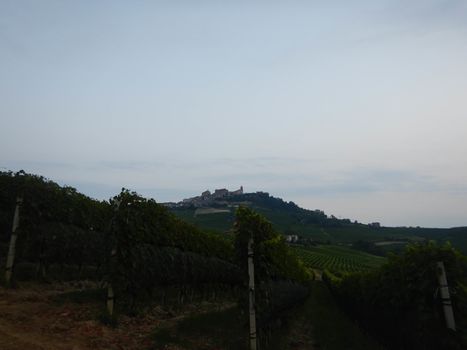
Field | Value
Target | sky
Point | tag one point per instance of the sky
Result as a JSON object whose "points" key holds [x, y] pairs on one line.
{"points": [[357, 108]]}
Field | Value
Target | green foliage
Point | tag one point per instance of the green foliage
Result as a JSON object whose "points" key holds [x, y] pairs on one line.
{"points": [[46, 201], [338, 258], [327, 320], [155, 249], [399, 303], [273, 258], [142, 220], [368, 247], [288, 218], [66, 235], [279, 274], [57, 225], [222, 329]]}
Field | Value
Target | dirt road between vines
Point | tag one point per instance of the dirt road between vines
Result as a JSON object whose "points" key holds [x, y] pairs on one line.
{"points": [[38, 317], [32, 319]]}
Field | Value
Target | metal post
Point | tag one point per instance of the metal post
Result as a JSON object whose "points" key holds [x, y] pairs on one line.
{"points": [[445, 297], [12, 248], [251, 285]]}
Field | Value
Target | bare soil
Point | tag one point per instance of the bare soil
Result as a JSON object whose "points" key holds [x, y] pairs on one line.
{"points": [[31, 319]]}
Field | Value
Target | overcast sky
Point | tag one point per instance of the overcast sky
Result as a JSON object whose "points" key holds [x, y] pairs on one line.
{"points": [[358, 108]]}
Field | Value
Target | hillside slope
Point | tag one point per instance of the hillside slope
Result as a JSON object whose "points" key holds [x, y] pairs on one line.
{"points": [[290, 219]]}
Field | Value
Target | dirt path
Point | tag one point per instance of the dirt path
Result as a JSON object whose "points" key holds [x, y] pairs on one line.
{"points": [[301, 337], [30, 319], [318, 274]]}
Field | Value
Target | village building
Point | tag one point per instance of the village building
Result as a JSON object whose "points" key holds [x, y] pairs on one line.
{"points": [[206, 197], [291, 238]]}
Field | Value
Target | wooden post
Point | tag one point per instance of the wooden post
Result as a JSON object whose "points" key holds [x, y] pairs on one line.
{"points": [[251, 287], [110, 290], [12, 248], [445, 297], [113, 255]]}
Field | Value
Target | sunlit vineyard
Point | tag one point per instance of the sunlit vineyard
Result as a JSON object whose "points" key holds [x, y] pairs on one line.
{"points": [[338, 259]]}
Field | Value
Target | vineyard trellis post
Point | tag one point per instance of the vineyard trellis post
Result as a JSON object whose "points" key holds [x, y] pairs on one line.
{"points": [[113, 256], [445, 296], [251, 288], [12, 247], [110, 291]]}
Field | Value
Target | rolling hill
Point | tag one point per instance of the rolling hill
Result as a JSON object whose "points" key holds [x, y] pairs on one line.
{"points": [[313, 225]]}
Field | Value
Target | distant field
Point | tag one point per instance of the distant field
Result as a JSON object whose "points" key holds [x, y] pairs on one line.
{"points": [[206, 211], [222, 219], [294, 222], [386, 243], [338, 258]]}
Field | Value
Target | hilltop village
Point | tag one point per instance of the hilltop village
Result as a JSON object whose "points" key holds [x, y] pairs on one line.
{"points": [[206, 198]]}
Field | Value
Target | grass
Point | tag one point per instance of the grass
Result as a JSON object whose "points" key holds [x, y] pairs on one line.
{"points": [[225, 329], [332, 329], [219, 222], [325, 324]]}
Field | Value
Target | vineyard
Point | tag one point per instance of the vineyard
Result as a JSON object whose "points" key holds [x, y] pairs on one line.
{"points": [[136, 256], [400, 303], [338, 259], [140, 254]]}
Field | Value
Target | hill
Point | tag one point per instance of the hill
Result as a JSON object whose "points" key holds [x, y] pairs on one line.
{"points": [[136, 254], [150, 266], [311, 225]]}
